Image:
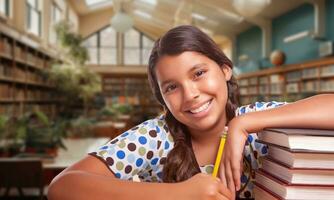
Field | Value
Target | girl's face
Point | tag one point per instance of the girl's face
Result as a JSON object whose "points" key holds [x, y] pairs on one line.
{"points": [[194, 89]]}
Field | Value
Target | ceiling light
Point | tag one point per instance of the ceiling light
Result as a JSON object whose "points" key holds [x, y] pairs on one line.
{"points": [[250, 8], [121, 22]]}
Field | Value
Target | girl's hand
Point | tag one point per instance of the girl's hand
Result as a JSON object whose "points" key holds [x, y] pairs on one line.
{"points": [[203, 187], [231, 167]]}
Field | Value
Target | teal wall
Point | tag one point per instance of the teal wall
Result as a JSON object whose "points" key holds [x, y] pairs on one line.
{"points": [[295, 21], [330, 19], [249, 43]]}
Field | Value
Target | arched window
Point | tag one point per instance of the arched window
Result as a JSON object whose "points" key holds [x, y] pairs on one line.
{"points": [[137, 48], [102, 47]]}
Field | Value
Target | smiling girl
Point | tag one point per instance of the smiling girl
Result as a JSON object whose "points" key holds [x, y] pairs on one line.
{"points": [[173, 154]]}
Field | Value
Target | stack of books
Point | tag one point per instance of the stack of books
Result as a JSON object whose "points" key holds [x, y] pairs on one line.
{"points": [[299, 165]]}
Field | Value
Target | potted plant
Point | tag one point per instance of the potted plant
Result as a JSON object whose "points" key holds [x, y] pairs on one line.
{"points": [[81, 127], [12, 134], [124, 110], [72, 79], [43, 136]]}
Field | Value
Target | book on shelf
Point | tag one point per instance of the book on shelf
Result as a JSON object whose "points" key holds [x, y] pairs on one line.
{"points": [[284, 190], [301, 159], [302, 139], [291, 175]]}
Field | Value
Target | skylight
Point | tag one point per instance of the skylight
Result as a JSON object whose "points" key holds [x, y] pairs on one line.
{"points": [[151, 2], [93, 3]]}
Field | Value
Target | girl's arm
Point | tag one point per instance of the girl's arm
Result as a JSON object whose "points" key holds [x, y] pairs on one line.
{"points": [[313, 112], [91, 179]]}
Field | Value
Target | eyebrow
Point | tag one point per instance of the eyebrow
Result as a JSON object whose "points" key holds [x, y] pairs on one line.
{"points": [[193, 68]]}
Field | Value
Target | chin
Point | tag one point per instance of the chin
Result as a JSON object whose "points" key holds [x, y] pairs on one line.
{"points": [[205, 124]]}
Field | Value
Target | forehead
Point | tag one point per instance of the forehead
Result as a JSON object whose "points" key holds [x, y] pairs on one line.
{"points": [[169, 67]]}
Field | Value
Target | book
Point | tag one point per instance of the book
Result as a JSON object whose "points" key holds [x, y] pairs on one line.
{"points": [[293, 191], [260, 193], [299, 139], [301, 159], [298, 175]]}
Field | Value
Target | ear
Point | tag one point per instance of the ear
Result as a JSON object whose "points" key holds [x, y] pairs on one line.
{"points": [[227, 72]]}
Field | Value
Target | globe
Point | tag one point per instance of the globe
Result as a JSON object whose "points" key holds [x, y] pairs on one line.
{"points": [[277, 57]]}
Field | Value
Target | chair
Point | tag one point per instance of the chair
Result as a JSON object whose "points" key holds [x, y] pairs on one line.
{"points": [[21, 173]]}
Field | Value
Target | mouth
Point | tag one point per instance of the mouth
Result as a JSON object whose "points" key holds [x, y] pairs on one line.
{"points": [[204, 107]]}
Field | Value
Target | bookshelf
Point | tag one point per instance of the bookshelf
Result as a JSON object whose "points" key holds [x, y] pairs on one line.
{"points": [[289, 82], [132, 89], [23, 82]]}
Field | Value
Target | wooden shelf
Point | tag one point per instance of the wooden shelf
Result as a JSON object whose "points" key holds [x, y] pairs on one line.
{"points": [[288, 83], [134, 90], [22, 85]]}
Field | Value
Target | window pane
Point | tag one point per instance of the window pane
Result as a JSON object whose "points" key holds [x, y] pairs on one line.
{"points": [[91, 41], [131, 38], [3, 7], [32, 3], [33, 24], [147, 43], [92, 52], [108, 56], [108, 37], [55, 18], [131, 56], [57, 14], [145, 56]]}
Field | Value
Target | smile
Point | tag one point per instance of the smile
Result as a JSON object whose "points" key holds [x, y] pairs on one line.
{"points": [[201, 108]]}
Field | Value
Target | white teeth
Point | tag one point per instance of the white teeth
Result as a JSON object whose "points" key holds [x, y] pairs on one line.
{"points": [[200, 109]]}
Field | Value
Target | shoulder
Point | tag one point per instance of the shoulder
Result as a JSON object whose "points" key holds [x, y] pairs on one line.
{"points": [[153, 129], [258, 106]]}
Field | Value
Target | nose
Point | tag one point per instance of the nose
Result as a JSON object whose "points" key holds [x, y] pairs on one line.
{"points": [[190, 91]]}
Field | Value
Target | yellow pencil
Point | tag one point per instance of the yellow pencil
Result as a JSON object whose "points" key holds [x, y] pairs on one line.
{"points": [[219, 155]]}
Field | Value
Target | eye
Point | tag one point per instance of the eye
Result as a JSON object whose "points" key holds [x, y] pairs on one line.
{"points": [[199, 73], [170, 88]]}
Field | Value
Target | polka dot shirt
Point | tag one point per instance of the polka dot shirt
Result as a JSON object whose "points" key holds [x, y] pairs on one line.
{"points": [[142, 151]]}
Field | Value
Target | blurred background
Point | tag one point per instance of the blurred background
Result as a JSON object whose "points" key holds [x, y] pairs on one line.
{"points": [[73, 73]]}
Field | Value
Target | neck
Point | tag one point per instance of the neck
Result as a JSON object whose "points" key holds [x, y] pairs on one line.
{"points": [[208, 136]]}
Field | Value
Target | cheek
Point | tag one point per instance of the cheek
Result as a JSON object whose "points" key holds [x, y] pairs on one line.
{"points": [[216, 84], [172, 102]]}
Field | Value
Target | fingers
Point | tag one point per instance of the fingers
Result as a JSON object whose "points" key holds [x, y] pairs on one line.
{"points": [[236, 172], [222, 197], [222, 174], [229, 177], [224, 192]]}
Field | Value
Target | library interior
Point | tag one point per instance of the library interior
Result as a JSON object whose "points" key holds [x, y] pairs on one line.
{"points": [[74, 75]]}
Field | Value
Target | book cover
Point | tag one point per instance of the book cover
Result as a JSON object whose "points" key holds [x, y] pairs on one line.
{"points": [[299, 139], [298, 175], [293, 191], [261, 193], [301, 158]]}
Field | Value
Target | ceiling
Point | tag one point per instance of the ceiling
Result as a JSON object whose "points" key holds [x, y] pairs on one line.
{"points": [[216, 17]]}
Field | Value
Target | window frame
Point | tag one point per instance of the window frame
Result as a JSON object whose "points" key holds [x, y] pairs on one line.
{"points": [[53, 21], [99, 47], [36, 10], [7, 7], [141, 47]]}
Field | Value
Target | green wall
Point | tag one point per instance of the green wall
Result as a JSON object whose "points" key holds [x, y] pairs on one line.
{"points": [[330, 19], [300, 19], [249, 43], [296, 21]]}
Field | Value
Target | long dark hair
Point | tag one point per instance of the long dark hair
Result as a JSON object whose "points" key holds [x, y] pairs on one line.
{"points": [[181, 163]]}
